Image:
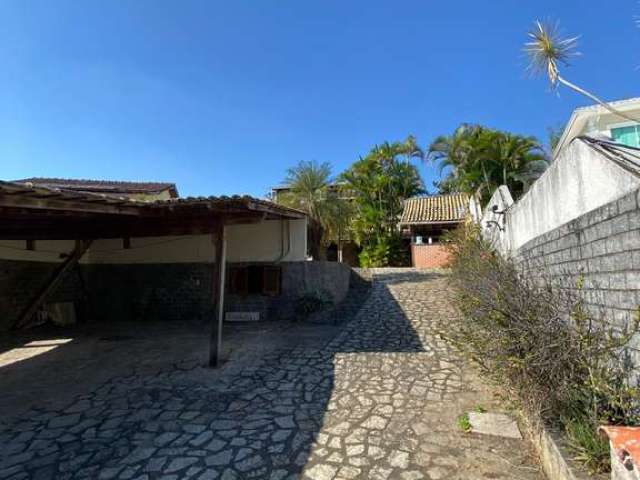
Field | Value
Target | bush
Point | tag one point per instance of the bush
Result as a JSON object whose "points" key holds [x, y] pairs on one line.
{"points": [[539, 341], [388, 251], [312, 302]]}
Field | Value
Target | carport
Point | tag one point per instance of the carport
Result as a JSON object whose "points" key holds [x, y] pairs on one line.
{"points": [[33, 214]]}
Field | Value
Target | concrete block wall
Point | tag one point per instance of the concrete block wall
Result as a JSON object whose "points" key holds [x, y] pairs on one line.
{"points": [[429, 256], [600, 248]]}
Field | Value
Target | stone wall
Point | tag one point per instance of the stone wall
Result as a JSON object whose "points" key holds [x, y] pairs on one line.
{"points": [[169, 291], [297, 278], [21, 281], [175, 291], [600, 248]]}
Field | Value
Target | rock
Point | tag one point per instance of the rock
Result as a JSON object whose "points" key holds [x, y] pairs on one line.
{"points": [[497, 424], [321, 472], [222, 458], [64, 421], [399, 459], [180, 464]]}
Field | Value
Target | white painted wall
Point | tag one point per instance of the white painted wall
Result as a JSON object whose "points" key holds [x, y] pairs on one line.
{"points": [[46, 250], [493, 223], [596, 120], [264, 241], [578, 181], [260, 242], [175, 249]]}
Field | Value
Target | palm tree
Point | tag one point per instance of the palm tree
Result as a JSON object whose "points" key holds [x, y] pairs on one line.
{"points": [[309, 190], [547, 49], [483, 158]]}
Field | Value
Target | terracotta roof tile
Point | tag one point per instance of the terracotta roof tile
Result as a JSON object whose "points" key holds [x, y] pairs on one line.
{"points": [[108, 187], [439, 208]]}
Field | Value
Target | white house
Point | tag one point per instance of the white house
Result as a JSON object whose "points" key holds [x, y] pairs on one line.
{"points": [[596, 121]]}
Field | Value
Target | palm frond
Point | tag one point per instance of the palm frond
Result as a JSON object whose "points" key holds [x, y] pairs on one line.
{"points": [[547, 48]]}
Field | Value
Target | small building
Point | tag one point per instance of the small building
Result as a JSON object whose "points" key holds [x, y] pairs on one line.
{"points": [[88, 257], [143, 191], [598, 122], [425, 220]]}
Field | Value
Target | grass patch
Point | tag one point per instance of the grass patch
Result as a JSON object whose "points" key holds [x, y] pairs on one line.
{"points": [[463, 422]]}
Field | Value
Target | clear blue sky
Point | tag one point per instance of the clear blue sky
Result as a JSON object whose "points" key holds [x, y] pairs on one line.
{"points": [[222, 96]]}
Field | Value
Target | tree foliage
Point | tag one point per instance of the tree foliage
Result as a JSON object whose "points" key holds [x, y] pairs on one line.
{"points": [[381, 181], [311, 190], [480, 159]]}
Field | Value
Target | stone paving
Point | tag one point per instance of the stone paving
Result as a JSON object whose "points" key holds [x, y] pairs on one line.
{"points": [[377, 401]]}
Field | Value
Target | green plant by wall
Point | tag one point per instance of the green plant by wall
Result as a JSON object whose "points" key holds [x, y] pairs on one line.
{"points": [[463, 422], [312, 302], [567, 367]]}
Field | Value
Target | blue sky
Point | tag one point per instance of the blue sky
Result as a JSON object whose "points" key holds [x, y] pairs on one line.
{"points": [[222, 97]]}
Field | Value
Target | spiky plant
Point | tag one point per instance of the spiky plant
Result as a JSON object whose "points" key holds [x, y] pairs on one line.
{"points": [[547, 49]]}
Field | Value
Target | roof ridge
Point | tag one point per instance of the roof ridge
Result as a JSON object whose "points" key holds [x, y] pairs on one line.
{"points": [[90, 181]]}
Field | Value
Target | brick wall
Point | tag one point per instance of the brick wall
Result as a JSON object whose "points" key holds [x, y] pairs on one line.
{"points": [[602, 248], [429, 256]]}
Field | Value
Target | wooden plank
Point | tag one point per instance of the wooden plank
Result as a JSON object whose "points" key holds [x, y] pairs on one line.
{"points": [[54, 281], [217, 316], [31, 202]]}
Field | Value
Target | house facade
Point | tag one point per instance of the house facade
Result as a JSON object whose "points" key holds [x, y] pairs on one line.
{"points": [[342, 248], [425, 221], [596, 121]]}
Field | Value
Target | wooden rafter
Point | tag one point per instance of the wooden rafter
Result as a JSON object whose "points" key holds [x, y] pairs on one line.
{"points": [[52, 283]]}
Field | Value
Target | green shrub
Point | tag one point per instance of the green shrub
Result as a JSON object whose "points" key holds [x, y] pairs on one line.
{"points": [[463, 422], [312, 302], [387, 251], [539, 342]]}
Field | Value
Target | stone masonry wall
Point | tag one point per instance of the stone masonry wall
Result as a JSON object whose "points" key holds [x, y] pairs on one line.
{"points": [[21, 281], [169, 291], [602, 248], [297, 279], [111, 292]]}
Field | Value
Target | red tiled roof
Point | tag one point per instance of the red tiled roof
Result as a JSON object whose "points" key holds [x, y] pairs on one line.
{"points": [[101, 186], [439, 208]]}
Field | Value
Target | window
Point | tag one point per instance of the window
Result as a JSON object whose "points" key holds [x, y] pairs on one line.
{"points": [[254, 279], [627, 135]]}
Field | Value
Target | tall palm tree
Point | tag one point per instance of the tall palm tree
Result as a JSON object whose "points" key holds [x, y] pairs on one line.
{"points": [[547, 49], [309, 190]]}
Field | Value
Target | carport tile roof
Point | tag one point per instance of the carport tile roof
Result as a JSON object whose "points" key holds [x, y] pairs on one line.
{"points": [[435, 209], [241, 202]]}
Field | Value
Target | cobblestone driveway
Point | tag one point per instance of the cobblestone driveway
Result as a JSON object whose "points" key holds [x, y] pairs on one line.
{"points": [[378, 401]]}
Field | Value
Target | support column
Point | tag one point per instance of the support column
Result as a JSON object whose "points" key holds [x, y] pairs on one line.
{"points": [[217, 316]]}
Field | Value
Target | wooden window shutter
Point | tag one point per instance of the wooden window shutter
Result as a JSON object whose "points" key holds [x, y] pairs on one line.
{"points": [[271, 281], [239, 281]]}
